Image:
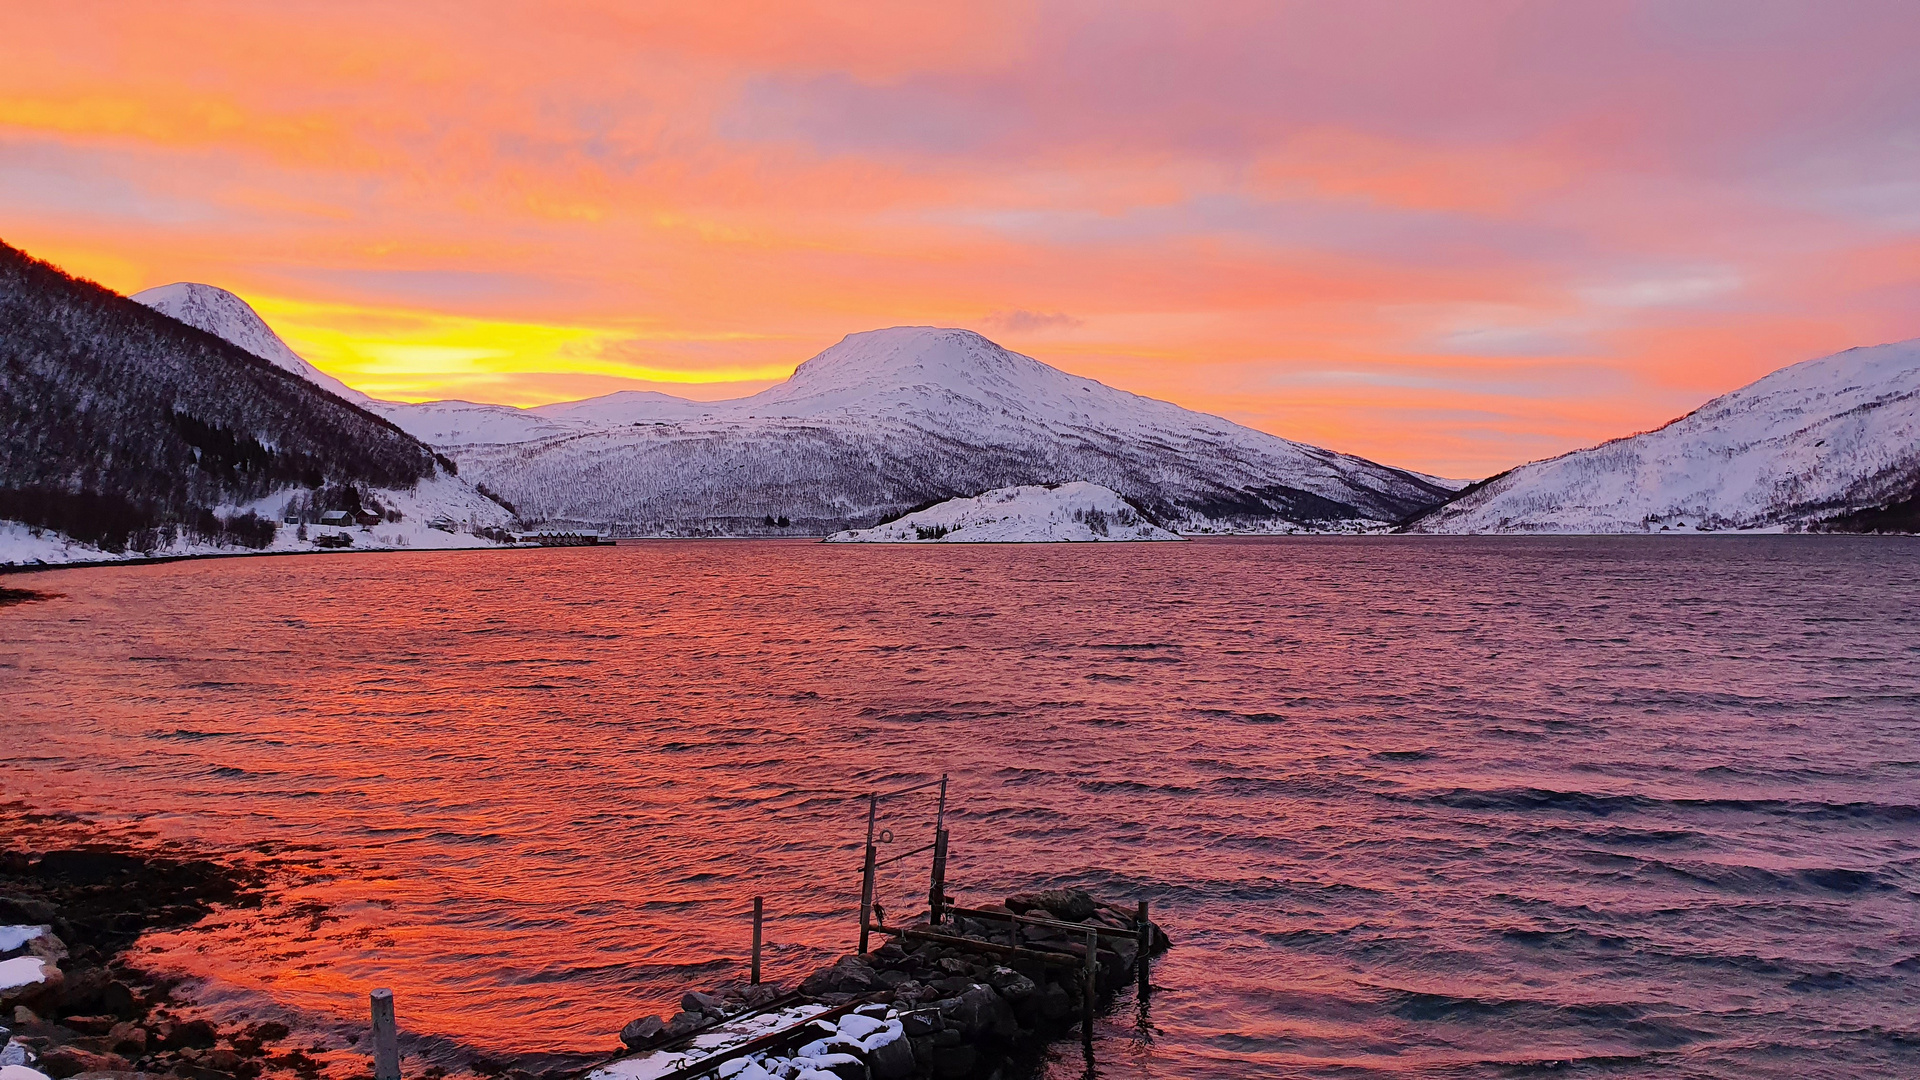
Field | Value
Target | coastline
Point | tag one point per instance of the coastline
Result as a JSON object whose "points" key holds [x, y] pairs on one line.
{"points": [[79, 908]]}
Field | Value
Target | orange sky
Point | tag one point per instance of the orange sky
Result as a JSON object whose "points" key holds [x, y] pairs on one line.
{"points": [[1451, 237]]}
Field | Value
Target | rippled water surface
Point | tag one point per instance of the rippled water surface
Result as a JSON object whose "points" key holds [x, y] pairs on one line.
{"points": [[1408, 806]]}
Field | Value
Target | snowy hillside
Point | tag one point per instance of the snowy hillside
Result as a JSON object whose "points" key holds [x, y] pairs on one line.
{"points": [[436, 514], [225, 315], [890, 419], [1802, 447], [1033, 514], [125, 433]]}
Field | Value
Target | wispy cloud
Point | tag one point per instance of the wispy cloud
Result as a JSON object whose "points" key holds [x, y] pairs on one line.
{"points": [[1275, 211]]}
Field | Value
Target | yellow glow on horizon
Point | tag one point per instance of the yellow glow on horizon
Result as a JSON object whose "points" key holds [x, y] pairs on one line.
{"points": [[411, 355]]}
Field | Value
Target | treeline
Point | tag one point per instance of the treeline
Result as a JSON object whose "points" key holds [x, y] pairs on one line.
{"points": [[122, 427], [117, 523]]}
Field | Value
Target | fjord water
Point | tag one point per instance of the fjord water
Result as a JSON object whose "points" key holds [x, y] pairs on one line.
{"points": [[1408, 807]]}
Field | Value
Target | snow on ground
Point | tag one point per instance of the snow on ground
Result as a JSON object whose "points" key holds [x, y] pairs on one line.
{"points": [[22, 971], [1033, 514], [1803, 443], [12, 937], [442, 498], [812, 1061]]}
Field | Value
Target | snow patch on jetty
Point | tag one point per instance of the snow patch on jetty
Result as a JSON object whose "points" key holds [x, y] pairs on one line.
{"points": [[1033, 514]]}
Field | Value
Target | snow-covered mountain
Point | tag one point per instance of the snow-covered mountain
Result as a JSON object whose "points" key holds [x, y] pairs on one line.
{"points": [[1815, 445], [225, 315], [125, 433], [890, 419], [1035, 514]]}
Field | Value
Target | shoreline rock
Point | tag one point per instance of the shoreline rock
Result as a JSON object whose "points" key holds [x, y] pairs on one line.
{"points": [[76, 911]]}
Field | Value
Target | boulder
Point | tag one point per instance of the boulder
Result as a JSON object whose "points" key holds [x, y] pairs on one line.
{"points": [[954, 1062], [130, 1039], [852, 975], [922, 1022], [762, 994], [191, 1033], [1071, 905], [65, 1061], [891, 1060], [1053, 1002], [981, 1015], [20, 909], [697, 1002], [951, 987], [28, 980], [685, 1023], [1010, 984], [643, 1032], [83, 990], [119, 999]]}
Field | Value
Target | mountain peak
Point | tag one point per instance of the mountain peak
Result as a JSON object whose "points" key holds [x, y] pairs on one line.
{"points": [[224, 315], [884, 368]]}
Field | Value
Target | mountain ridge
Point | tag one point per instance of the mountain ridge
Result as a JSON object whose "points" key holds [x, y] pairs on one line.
{"points": [[1801, 447], [123, 428], [881, 421]]}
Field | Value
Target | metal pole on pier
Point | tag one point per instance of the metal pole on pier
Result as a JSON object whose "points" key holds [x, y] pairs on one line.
{"points": [[1087, 991], [386, 1038], [866, 875], [937, 894], [1143, 931], [757, 908]]}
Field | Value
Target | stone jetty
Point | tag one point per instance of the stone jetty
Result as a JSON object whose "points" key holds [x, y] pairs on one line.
{"points": [[953, 1000]]}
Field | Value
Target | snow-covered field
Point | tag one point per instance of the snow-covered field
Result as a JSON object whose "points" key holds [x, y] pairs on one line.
{"points": [[1068, 513], [442, 498], [1804, 443]]}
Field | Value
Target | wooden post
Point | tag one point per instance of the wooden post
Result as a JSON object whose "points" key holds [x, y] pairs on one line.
{"points": [[937, 895], [756, 940], [386, 1038], [866, 875], [1089, 989], [1143, 931]]}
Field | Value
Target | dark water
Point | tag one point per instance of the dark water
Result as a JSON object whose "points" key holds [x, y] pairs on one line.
{"points": [[1409, 807]]}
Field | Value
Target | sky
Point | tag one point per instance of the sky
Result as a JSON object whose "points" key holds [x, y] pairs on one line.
{"points": [[1450, 236]]}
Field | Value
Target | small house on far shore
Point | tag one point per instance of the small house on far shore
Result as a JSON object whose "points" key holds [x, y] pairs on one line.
{"points": [[338, 519]]}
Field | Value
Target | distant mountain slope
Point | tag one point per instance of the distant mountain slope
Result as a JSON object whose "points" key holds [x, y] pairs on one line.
{"points": [[225, 315], [890, 419], [120, 425], [1829, 443], [1064, 513]]}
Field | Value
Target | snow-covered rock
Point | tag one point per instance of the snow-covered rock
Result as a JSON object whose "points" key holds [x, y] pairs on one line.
{"points": [[1033, 514], [1804, 444], [225, 315], [22, 972]]}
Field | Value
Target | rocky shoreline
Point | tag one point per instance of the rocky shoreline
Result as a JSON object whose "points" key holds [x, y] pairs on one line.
{"points": [[72, 1002], [967, 998]]}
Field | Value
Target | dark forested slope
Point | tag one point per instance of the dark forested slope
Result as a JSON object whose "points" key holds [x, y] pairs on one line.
{"points": [[116, 420]]}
